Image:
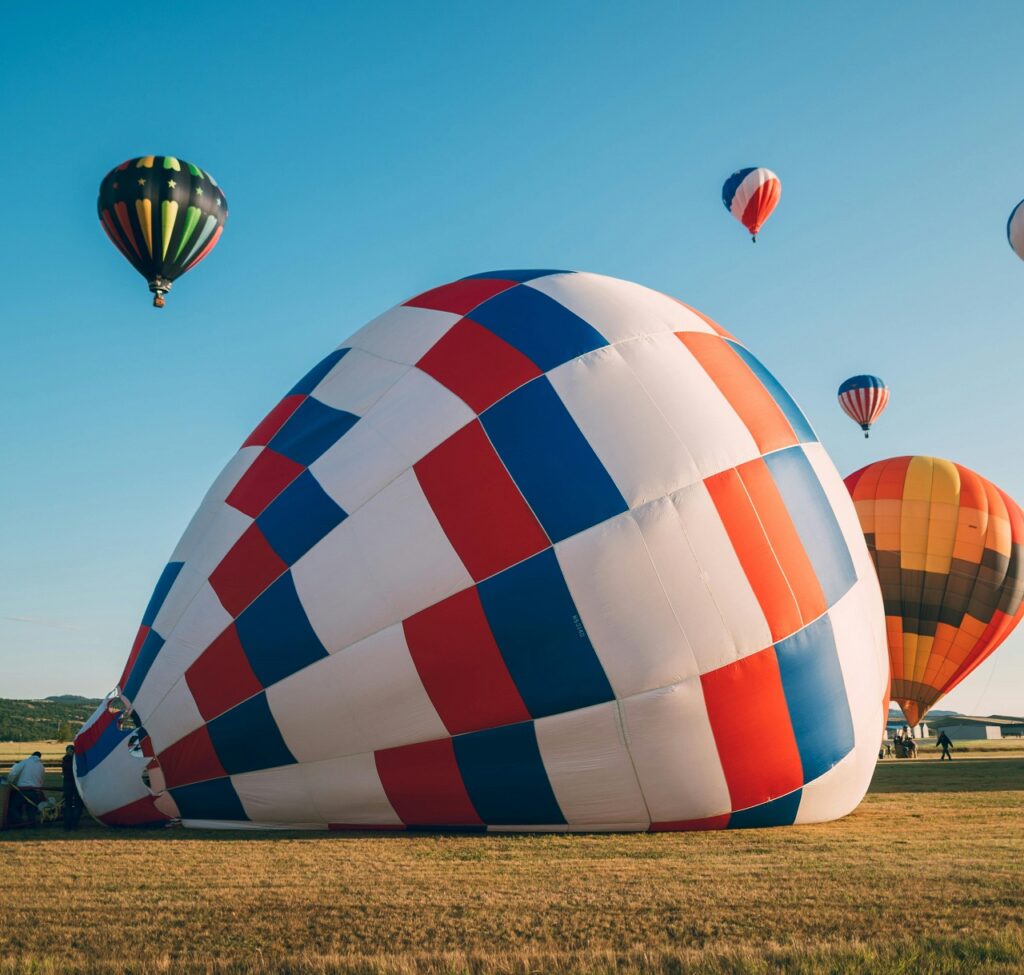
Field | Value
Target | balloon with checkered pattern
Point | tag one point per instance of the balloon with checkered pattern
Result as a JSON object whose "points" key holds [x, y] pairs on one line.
{"points": [[535, 549]]}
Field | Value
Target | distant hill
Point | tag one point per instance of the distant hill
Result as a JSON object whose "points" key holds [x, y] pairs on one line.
{"points": [[41, 720]]}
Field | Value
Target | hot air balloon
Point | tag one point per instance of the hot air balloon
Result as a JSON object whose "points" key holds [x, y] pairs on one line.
{"points": [[750, 195], [1015, 230], [534, 549], [164, 215], [864, 399], [948, 548]]}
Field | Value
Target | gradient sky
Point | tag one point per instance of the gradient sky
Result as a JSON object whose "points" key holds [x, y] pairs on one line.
{"points": [[370, 151]]}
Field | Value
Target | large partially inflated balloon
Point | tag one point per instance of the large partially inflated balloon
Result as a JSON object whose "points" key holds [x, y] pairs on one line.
{"points": [[533, 549], [1015, 230], [164, 215], [750, 195], [863, 399], [948, 548]]}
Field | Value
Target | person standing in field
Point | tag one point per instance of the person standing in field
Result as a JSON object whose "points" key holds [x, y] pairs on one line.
{"points": [[72, 800], [27, 777], [946, 745]]}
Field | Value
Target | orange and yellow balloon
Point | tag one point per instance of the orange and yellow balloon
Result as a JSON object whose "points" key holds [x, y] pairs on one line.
{"points": [[948, 546]]}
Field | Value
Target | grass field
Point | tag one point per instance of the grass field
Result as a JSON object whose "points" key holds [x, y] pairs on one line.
{"points": [[926, 876]]}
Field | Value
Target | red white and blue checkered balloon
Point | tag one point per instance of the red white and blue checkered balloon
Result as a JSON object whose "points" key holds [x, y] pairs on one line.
{"points": [[534, 549]]}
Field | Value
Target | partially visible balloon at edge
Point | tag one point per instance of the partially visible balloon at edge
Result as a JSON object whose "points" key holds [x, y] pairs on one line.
{"points": [[1015, 230], [164, 215], [864, 399], [751, 195]]}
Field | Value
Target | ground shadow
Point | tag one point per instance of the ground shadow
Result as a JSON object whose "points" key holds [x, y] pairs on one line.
{"points": [[973, 775]]}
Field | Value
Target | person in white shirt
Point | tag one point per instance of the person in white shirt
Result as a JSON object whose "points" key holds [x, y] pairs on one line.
{"points": [[27, 776]]}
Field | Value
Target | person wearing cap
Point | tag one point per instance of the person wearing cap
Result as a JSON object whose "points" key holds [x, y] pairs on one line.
{"points": [[27, 777], [72, 800]]}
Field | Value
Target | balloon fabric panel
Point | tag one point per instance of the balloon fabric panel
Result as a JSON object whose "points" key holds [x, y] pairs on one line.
{"points": [[531, 550]]}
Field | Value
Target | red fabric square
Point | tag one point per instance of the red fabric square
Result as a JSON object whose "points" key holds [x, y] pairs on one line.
{"points": [[221, 677], [750, 721], [476, 365], [691, 825], [460, 297], [137, 813], [478, 505], [190, 759], [268, 475], [274, 420], [424, 785], [461, 666], [246, 571]]}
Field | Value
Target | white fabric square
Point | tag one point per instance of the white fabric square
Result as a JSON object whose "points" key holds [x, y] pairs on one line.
{"points": [[402, 334], [619, 310], [349, 791], [367, 697], [277, 795], [417, 414], [219, 533], [838, 791], [589, 768], [691, 404], [115, 782], [674, 753], [705, 583], [357, 466], [624, 607], [643, 455], [357, 381], [212, 502], [183, 590], [173, 717], [382, 564]]}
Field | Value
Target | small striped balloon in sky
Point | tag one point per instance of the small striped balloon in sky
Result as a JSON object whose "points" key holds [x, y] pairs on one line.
{"points": [[751, 195], [864, 399], [1015, 229]]}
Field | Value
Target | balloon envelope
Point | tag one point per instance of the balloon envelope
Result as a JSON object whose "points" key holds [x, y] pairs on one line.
{"points": [[534, 549], [1015, 229], [948, 548], [863, 399], [164, 215], [751, 195]]}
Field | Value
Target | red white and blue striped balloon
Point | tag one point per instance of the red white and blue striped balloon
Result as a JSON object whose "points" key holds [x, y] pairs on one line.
{"points": [[1015, 230], [864, 399], [751, 195]]}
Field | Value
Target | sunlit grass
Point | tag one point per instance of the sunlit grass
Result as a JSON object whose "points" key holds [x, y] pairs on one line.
{"points": [[926, 876]]}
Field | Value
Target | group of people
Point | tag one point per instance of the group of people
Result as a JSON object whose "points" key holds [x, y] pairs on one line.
{"points": [[26, 779], [905, 747]]}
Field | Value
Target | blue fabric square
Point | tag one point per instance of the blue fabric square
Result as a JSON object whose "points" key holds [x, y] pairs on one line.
{"points": [[542, 639], [815, 521], [778, 812], [812, 681], [551, 461], [147, 654], [276, 635], [527, 275], [790, 410], [163, 587], [538, 326], [310, 430], [299, 517], [213, 799], [505, 777], [246, 738], [316, 375]]}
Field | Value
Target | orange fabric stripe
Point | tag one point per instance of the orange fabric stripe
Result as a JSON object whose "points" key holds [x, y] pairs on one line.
{"points": [[754, 551], [892, 477], [894, 636], [752, 402]]}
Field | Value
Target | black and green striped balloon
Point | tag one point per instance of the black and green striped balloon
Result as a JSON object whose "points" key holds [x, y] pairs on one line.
{"points": [[164, 215]]}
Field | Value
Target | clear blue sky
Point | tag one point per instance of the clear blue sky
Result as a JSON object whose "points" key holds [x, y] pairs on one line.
{"points": [[369, 151]]}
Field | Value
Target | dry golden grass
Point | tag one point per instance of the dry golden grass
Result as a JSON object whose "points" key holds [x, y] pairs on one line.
{"points": [[926, 876]]}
